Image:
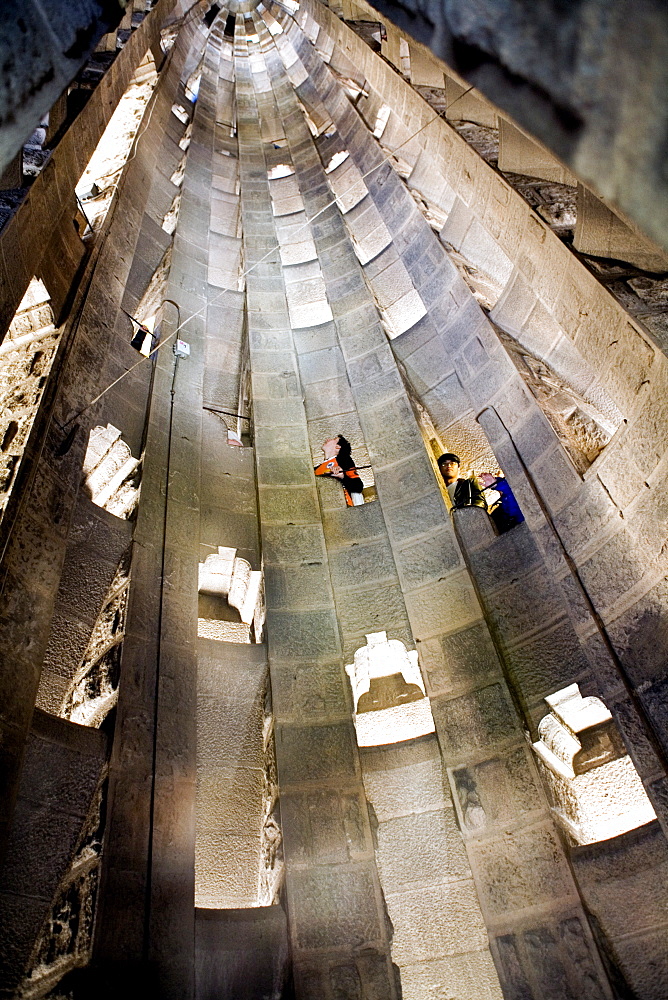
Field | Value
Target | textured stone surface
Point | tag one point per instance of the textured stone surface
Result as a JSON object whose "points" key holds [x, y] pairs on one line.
{"points": [[484, 718], [421, 938], [453, 660], [384, 862], [337, 908], [412, 850], [492, 792], [316, 752], [44, 55], [240, 953], [325, 825], [62, 768], [456, 977], [508, 883]]}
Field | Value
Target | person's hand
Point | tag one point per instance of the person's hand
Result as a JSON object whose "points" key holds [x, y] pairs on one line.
{"points": [[487, 479]]}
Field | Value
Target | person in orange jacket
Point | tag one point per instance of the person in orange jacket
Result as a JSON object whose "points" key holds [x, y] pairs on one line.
{"points": [[339, 464]]}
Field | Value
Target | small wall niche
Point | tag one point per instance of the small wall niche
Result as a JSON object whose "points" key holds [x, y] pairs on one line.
{"points": [[231, 602], [594, 789], [391, 704]]}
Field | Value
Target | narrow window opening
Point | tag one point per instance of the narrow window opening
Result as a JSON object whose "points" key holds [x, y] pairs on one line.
{"points": [[271, 872], [317, 124], [172, 217], [180, 112], [280, 170], [382, 119], [211, 15], [274, 27], [94, 690], [230, 24], [142, 337], [192, 88], [36, 362], [149, 309], [337, 160], [184, 141], [100, 179], [178, 175], [372, 32], [404, 58], [26, 356]]}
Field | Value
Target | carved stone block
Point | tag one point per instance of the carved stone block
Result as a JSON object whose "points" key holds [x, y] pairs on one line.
{"points": [[302, 634], [496, 791], [455, 659], [334, 908], [524, 869], [313, 690], [314, 753], [474, 722], [328, 827]]}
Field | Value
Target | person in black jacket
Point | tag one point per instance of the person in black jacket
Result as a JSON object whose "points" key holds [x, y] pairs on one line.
{"points": [[462, 492]]}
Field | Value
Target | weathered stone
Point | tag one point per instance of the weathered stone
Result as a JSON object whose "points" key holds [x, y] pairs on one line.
{"points": [[226, 779], [472, 722], [494, 791], [512, 884], [456, 659], [337, 908], [313, 753]]}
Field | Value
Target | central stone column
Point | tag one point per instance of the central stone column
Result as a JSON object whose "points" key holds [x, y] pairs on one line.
{"points": [[338, 926]]}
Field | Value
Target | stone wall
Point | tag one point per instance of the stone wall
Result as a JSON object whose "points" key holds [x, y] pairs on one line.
{"points": [[241, 954], [147, 899], [556, 71], [62, 770], [270, 228], [41, 54], [624, 874], [59, 435], [425, 874], [31, 228], [97, 351], [332, 887], [457, 366]]}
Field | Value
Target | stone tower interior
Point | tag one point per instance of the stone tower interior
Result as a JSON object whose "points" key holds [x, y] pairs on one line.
{"points": [[258, 743]]}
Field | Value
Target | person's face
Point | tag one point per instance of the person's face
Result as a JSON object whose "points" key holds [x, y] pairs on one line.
{"points": [[449, 470], [331, 447]]}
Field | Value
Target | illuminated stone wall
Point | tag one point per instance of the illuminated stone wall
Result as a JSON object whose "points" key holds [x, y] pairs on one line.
{"points": [[309, 227]]}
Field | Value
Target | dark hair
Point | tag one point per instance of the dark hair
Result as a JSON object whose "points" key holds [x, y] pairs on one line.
{"points": [[449, 457], [344, 457]]}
